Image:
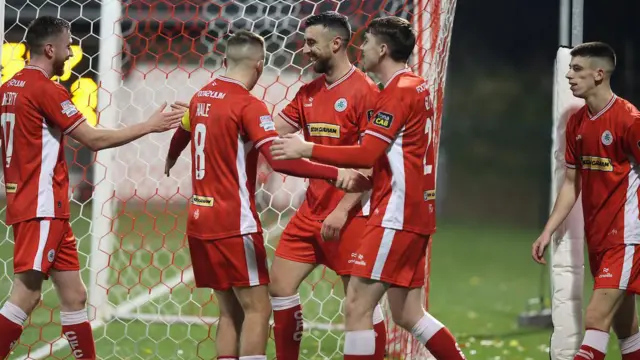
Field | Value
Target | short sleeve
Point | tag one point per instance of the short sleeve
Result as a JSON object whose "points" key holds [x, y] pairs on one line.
{"points": [[570, 137], [58, 109], [291, 112], [258, 123], [632, 138], [389, 116]]}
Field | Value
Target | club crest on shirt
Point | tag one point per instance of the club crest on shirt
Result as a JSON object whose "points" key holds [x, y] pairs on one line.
{"points": [[340, 105], [383, 120], [607, 137], [51, 255]]}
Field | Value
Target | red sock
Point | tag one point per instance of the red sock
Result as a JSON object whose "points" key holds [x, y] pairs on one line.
{"points": [[594, 345], [11, 320], [630, 347], [437, 339], [381, 333], [287, 329], [77, 330]]}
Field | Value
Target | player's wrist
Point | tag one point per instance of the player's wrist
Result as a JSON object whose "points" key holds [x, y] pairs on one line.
{"points": [[307, 150]]}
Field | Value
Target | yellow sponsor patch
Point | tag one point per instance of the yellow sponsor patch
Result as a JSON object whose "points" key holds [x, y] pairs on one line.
{"points": [[202, 200], [325, 130], [596, 163], [429, 195], [11, 188]]}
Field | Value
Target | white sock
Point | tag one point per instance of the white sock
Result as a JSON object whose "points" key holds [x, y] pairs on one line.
{"points": [[73, 317], [630, 344], [13, 313], [426, 327], [362, 342], [286, 302], [596, 339], [254, 357], [378, 315]]}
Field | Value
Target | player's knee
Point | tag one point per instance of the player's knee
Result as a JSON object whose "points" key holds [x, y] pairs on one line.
{"points": [[73, 299], [598, 318], [281, 287]]}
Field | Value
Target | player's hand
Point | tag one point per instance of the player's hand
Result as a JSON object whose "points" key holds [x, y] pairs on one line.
{"points": [[333, 224], [180, 105], [168, 165], [539, 247], [290, 146], [351, 180], [161, 121]]}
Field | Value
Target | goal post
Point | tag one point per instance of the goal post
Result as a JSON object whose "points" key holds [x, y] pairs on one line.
{"points": [[567, 245], [129, 218]]}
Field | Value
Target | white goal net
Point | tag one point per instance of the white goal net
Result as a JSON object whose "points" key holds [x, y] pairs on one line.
{"points": [[129, 57]]}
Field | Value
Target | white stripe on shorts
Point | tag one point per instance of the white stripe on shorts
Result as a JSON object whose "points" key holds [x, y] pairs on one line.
{"points": [[627, 265], [383, 253], [252, 261], [45, 225]]}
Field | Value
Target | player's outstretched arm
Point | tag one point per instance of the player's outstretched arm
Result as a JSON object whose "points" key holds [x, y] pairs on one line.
{"points": [[180, 138], [355, 156], [98, 139], [565, 201]]}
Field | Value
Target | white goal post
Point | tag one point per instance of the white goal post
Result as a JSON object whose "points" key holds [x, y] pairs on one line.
{"points": [[130, 222]]}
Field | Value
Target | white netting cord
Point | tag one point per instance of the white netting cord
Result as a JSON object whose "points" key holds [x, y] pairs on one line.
{"points": [[168, 51]]}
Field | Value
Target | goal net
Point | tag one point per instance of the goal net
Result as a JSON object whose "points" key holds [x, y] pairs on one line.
{"points": [[128, 217]]}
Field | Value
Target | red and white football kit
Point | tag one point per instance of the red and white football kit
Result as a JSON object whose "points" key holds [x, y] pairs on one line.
{"points": [[330, 114], [398, 142], [228, 127], [36, 113], [605, 148]]}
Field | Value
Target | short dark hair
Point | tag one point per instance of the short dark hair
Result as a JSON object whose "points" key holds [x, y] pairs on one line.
{"points": [[244, 37], [395, 32], [334, 21], [43, 28], [595, 49]]}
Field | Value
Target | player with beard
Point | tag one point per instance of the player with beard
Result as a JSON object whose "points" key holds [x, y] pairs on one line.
{"points": [[36, 114], [331, 110]]}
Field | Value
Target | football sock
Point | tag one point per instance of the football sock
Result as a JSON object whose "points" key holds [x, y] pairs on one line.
{"points": [[288, 326], [77, 330]]}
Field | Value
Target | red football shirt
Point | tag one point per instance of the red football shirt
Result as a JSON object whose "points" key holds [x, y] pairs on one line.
{"points": [[331, 114], [36, 113], [228, 125], [400, 140], [605, 149]]}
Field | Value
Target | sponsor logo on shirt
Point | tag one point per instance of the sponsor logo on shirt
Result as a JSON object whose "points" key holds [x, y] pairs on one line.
{"points": [[383, 120], [68, 108], [202, 200], [266, 122], [429, 195], [11, 188], [596, 163], [324, 130]]}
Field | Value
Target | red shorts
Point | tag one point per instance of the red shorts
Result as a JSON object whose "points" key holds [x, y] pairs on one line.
{"points": [[396, 257], [44, 244], [222, 264], [617, 268], [302, 242]]}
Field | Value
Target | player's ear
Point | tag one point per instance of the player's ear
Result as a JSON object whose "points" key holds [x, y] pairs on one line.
{"points": [[260, 67]]}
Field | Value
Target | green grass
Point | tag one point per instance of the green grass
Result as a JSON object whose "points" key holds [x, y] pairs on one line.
{"points": [[482, 277]]}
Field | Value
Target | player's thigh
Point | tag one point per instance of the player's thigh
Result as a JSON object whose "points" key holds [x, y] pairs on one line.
{"points": [[228, 305], [391, 256], [287, 275], [345, 254], [222, 264], [625, 321], [37, 243], [299, 241]]}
